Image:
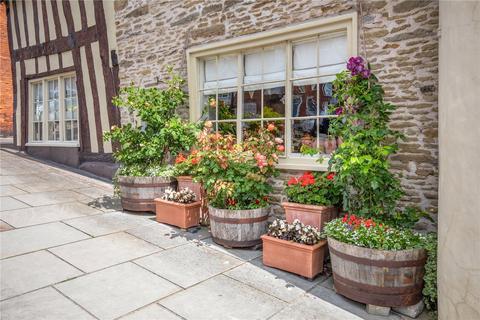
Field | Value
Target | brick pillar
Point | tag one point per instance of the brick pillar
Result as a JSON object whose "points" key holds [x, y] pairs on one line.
{"points": [[6, 91]]}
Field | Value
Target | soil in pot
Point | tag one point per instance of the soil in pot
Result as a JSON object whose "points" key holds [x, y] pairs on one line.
{"points": [[178, 214], [139, 193], [238, 228], [378, 277], [301, 259]]}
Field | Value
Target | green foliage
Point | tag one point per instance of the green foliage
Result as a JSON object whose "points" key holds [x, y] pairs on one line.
{"points": [[235, 175], [369, 233], [361, 161], [430, 278], [314, 188], [145, 146]]}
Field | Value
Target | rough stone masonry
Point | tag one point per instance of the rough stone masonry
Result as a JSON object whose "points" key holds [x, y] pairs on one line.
{"points": [[399, 38]]}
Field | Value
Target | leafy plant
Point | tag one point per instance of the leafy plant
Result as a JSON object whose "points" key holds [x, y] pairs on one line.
{"points": [[372, 234], [314, 188], [429, 291], [235, 175], [185, 195], [146, 145], [295, 231]]}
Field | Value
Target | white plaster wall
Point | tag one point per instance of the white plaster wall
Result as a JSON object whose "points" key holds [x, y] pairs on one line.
{"points": [[459, 189]]}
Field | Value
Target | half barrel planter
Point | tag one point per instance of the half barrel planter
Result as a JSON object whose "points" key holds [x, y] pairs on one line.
{"points": [[312, 215], [238, 228], [182, 215], [139, 193], [378, 277], [301, 259]]}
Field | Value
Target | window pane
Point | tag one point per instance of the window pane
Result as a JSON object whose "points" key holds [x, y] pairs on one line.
{"points": [[75, 130], [210, 74], [274, 64], [68, 130], [305, 59], [253, 68], [326, 97], [38, 111], [304, 135], [227, 71], [228, 128], [54, 130], [209, 107], [332, 55], [37, 131], [53, 110], [249, 128], [227, 105], [327, 143], [304, 100], [252, 103], [53, 89], [274, 102]]}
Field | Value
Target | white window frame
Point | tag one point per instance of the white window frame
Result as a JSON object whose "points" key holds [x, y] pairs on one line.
{"points": [[61, 97], [346, 24]]}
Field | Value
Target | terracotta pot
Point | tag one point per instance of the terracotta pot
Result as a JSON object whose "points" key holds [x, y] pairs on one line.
{"points": [[308, 214], [178, 214], [380, 277], [187, 182], [238, 228], [294, 257], [139, 193]]}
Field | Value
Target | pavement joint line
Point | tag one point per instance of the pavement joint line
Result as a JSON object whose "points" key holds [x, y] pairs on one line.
{"points": [[79, 305], [84, 272], [17, 200]]}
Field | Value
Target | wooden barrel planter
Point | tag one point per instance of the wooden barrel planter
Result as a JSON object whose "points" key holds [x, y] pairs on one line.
{"points": [[378, 277], [139, 193], [238, 228]]}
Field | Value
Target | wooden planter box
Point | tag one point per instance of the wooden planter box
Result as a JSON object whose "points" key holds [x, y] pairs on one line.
{"points": [[139, 193], [294, 257], [308, 214], [238, 228], [378, 277], [178, 214]]}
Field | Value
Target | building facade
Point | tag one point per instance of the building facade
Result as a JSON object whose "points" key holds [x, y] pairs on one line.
{"points": [[6, 90], [267, 61], [65, 74]]}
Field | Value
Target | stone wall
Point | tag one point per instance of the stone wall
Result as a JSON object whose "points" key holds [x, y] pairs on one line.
{"points": [[399, 38], [6, 89]]}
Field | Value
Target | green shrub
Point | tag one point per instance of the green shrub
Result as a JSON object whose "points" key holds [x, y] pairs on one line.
{"points": [[314, 188]]}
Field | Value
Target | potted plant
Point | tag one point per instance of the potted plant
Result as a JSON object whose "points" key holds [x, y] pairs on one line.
{"points": [[376, 264], [294, 247], [376, 257], [146, 145], [178, 208], [313, 199], [235, 179]]}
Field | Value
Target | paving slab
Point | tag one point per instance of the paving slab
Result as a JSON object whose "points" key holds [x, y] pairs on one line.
{"points": [[19, 179], [32, 271], [24, 240], [311, 307], [50, 186], [9, 190], [46, 198], [109, 222], [283, 285], [105, 203], [94, 192], [222, 298], [189, 264], [9, 203], [44, 214], [5, 226], [167, 236], [152, 312], [43, 304], [98, 253], [116, 291], [243, 254]]}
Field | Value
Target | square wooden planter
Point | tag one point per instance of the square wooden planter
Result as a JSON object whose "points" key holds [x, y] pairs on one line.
{"points": [[294, 257], [312, 215], [178, 214]]}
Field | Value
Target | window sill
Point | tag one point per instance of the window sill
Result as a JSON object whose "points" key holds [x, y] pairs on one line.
{"points": [[53, 144], [303, 164]]}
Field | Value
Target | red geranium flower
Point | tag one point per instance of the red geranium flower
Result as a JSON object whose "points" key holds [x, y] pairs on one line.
{"points": [[180, 158], [195, 161], [292, 181], [331, 175]]}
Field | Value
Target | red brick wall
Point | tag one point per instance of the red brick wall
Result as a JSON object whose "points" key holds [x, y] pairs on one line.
{"points": [[6, 91]]}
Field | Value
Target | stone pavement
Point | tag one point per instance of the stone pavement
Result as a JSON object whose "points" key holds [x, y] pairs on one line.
{"points": [[69, 252]]}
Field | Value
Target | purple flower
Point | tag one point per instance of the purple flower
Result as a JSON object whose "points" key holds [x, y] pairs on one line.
{"points": [[365, 73], [339, 111], [356, 65]]}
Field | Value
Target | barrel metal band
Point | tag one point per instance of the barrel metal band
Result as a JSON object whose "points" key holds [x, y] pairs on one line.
{"points": [[416, 287], [237, 244], [144, 185], [237, 220], [379, 263]]}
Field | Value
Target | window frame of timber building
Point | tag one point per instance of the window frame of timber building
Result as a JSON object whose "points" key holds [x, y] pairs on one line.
{"points": [[72, 124], [204, 93]]}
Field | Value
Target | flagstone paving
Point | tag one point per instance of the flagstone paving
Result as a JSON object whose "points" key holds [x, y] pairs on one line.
{"points": [[69, 252]]}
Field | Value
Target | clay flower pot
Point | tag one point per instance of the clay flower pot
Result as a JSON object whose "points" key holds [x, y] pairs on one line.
{"points": [[294, 257], [187, 182], [178, 214], [308, 214]]}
